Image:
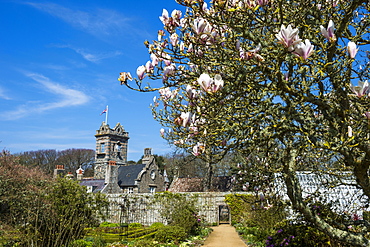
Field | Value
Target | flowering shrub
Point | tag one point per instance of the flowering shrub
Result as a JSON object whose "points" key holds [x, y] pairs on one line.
{"points": [[298, 235]]}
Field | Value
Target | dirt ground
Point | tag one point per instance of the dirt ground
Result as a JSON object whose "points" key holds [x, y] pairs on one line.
{"points": [[224, 235]]}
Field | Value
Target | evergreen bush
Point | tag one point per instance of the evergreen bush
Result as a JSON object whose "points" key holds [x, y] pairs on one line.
{"points": [[171, 233]]}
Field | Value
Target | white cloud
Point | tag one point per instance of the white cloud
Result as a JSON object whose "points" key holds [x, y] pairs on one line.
{"points": [[98, 22], [96, 57], [3, 94], [68, 97], [91, 57]]}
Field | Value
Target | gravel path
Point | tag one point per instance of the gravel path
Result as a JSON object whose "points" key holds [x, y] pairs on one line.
{"points": [[224, 235]]}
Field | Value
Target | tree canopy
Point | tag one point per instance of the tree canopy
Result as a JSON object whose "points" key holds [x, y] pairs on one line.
{"points": [[284, 79]]}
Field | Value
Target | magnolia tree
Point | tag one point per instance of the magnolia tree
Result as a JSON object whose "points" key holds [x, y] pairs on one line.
{"points": [[287, 79]]}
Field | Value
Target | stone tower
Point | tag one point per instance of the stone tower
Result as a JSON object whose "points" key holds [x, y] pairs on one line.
{"points": [[111, 145]]}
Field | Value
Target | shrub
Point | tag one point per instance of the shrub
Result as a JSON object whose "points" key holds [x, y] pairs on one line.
{"points": [[157, 225], [135, 225], [96, 241], [108, 224], [80, 243], [171, 233], [56, 211], [298, 235], [144, 243], [179, 210]]}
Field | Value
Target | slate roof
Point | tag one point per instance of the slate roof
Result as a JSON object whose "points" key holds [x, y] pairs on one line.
{"points": [[219, 184], [96, 184], [128, 174]]}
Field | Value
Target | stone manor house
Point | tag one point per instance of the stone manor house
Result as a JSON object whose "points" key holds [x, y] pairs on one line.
{"points": [[112, 174]]}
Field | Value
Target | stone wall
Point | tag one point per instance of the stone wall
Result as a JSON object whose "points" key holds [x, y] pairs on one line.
{"points": [[129, 208]]}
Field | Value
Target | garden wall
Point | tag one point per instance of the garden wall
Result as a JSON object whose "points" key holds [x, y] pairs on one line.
{"points": [[129, 208]]}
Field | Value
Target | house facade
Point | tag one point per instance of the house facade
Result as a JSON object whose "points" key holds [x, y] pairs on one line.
{"points": [[113, 175]]}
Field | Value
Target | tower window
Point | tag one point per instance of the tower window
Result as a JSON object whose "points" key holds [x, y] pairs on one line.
{"points": [[102, 148]]}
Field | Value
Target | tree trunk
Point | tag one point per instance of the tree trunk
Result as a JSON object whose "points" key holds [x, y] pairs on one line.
{"points": [[207, 183], [295, 194]]}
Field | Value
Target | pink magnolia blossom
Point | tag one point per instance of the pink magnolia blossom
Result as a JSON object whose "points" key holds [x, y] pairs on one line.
{"points": [[288, 37], [329, 32], [124, 76], [200, 25], [156, 104], [192, 92], [161, 33], [174, 39], [182, 46], [190, 48], [161, 131], [173, 21], [178, 142], [140, 71], [262, 2], [246, 55], [194, 130], [205, 7], [154, 59], [168, 71], [166, 93], [367, 115], [198, 149], [303, 50], [176, 14], [149, 67], [185, 118], [251, 4], [334, 3], [361, 89], [210, 85], [165, 19], [167, 59], [350, 133], [352, 49]]}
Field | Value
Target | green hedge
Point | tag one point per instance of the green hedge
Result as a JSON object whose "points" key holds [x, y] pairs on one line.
{"points": [[171, 234]]}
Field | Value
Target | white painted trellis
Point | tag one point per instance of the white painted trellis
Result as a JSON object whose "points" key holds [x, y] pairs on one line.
{"points": [[337, 189]]}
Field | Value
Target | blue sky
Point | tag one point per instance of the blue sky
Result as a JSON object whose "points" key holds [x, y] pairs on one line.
{"points": [[59, 64]]}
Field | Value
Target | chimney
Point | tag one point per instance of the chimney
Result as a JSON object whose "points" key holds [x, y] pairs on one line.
{"points": [[147, 155], [59, 171], [79, 173], [111, 179], [69, 175]]}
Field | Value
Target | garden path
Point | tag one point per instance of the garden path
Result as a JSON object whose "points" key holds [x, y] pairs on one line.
{"points": [[224, 235]]}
